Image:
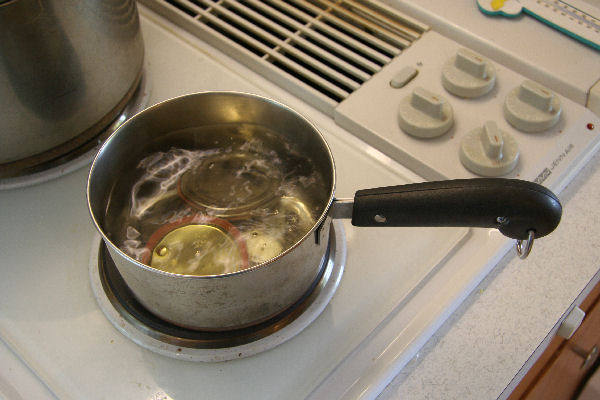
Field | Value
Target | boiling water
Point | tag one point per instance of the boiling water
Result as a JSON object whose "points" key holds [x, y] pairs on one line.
{"points": [[247, 198]]}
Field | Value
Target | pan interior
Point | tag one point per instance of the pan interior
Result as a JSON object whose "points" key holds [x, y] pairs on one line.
{"points": [[269, 188]]}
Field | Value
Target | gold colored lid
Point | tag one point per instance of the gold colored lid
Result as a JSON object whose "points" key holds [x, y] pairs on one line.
{"points": [[212, 247]]}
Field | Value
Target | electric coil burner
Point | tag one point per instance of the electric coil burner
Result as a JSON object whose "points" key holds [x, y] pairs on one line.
{"points": [[123, 310]]}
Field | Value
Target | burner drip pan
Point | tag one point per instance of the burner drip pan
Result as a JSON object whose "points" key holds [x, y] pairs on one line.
{"points": [[144, 328]]}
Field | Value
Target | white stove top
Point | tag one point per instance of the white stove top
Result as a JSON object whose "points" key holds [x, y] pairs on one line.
{"points": [[398, 287], [50, 318]]}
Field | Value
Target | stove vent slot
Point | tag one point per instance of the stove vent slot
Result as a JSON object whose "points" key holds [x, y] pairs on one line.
{"points": [[320, 50]]}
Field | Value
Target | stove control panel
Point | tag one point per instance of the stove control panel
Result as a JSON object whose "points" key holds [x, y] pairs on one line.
{"points": [[445, 111]]}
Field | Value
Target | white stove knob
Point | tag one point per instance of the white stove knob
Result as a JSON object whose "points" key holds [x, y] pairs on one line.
{"points": [[424, 114], [532, 108], [468, 74], [489, 151]]}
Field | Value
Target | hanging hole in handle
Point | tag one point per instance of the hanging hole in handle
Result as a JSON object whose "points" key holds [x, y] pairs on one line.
{"points": [[524, 246]]}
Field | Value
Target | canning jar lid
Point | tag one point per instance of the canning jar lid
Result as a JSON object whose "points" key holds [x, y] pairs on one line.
{"points": [[230, 184], [197, 245]]}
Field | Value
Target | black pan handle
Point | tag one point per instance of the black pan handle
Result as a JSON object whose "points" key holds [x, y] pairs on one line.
{"points": [[515, 207]]}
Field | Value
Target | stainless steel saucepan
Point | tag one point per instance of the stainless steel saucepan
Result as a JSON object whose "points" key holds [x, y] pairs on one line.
{"points": [[237, 191]]}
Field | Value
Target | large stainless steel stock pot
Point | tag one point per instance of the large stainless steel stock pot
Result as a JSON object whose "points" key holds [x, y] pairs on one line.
{"points": [[67, 69]]}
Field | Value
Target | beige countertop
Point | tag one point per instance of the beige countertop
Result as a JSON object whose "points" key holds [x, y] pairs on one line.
{"points": [[495, 335]]}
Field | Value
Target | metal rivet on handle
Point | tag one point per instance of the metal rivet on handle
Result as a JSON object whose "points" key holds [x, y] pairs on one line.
{"points": [[380, 218]]}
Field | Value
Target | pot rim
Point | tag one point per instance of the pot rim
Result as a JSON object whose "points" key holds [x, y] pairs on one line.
{"points": [[321, 220]]}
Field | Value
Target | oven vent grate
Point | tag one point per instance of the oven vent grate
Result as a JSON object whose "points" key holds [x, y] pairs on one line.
{"points": [[320, 50]]}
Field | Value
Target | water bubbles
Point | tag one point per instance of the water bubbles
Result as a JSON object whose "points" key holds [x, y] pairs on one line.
{"points": [[132, 233], [266, 196], [162, 251]]}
